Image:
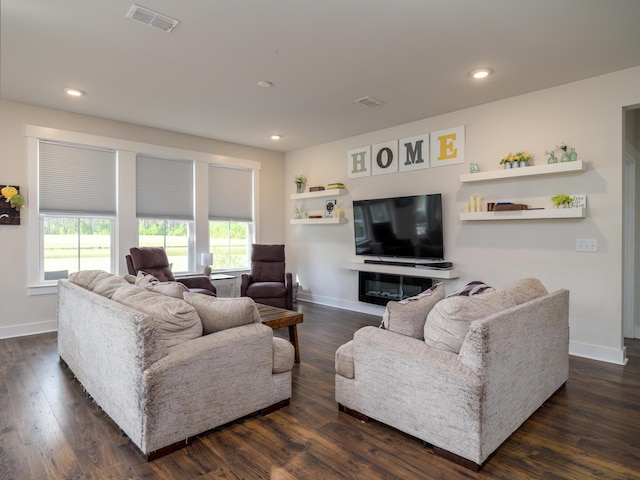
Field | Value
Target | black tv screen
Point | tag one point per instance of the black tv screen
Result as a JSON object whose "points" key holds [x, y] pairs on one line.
{"points": [[405, 227]]}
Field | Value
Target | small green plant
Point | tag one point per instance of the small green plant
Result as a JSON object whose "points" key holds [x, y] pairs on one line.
{"points": [[560, 199]]}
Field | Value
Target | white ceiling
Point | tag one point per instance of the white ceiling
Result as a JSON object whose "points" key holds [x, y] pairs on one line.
{"points": [[201, 79]]}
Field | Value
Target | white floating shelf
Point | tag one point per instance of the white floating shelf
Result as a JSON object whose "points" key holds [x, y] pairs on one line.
{"points": [[401, 270], [331, 192], [318, 221], [548, 169], [526, 214]]}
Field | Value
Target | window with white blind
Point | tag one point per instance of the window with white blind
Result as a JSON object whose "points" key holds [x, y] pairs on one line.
{"points": [[92, 197], [76, 205], [230, 217], [164, 207]]}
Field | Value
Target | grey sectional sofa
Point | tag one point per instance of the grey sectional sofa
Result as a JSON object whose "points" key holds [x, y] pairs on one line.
{"points": [[464, 396], [165, 378]]}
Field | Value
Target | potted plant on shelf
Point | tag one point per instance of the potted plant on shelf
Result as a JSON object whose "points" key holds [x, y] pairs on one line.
{"points": [[300, 181], [561, 200], [518, 159]]}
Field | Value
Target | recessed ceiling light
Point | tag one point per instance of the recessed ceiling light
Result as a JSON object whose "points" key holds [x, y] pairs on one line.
{"points": [[481, 73], [74, 92], [275, 136], [265, 84]]}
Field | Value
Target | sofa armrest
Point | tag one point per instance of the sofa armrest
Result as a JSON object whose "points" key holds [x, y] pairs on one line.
{"points": [[197, 281], [207, 382], [245, 280]]}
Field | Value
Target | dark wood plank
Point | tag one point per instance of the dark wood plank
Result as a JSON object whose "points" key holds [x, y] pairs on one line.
{"points": [[49, 428]]}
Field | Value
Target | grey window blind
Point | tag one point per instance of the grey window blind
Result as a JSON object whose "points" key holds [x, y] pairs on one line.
{"points": [[230, 194], [76, 179], [164, 188]]}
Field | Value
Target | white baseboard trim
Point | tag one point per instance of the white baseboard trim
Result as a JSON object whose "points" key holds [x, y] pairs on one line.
{"points": [[29, 329], [603, 354], [359, 307]]}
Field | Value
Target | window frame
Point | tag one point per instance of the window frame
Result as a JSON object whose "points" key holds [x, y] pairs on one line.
{"points": [[124, 226], [250, 241]]}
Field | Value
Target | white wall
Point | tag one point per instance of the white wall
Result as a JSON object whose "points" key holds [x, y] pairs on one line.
{"points": [[22, 314], [587, 115]]}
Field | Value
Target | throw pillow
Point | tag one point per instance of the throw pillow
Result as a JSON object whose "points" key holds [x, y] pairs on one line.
{"points": [[472, 288], [176, 320], [143, 279], [151, 283], [408, 316], [88, 278], [525, 289], [449, 320], [106, 286], [221, 313]]}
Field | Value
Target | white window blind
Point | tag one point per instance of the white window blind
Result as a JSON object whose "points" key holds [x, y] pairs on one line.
{"points": [[230, 194], [75, 179], [164, 188]]}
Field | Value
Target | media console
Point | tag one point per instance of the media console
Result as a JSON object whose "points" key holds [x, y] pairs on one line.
{"points": [[395, 269]]}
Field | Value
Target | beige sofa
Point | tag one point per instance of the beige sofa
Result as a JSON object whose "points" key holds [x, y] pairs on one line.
{"points": [[166, 368], [479, 367]]}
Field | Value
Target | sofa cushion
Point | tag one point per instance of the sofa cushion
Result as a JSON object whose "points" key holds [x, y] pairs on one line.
{"points": [[344, 360], [176, 320], [448, 322], [408, 316], [107, 286], [525, 289], [283, 355], [222, 313], [87, 279], [98, 281], [151, 283]]}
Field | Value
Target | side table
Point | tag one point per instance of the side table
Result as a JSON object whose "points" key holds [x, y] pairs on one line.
{"points": [[221, 279]]}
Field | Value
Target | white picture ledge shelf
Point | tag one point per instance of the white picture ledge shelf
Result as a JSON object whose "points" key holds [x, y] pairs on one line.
{"points": [[548, 169], [318, 221], [329, 192], [401, 270], [551, 213]]}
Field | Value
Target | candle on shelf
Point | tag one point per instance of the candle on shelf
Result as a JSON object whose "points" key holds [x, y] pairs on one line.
{"points": [[466, 207], [472, 203], [478, 204]]}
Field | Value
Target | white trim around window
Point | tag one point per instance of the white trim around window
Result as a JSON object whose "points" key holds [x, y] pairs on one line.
{"points": [[125, 224]]}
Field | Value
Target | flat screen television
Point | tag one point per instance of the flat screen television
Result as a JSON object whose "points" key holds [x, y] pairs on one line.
{"points": [[403, 227]]}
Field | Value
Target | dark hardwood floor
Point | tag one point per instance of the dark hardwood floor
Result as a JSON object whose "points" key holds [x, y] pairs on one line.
{"points": [[49, 429]]}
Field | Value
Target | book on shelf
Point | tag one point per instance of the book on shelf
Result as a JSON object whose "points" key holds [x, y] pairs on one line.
{"points": [[335, 185]]}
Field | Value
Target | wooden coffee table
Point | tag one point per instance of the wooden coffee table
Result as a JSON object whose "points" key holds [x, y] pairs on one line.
{"points": [[276, 317]]}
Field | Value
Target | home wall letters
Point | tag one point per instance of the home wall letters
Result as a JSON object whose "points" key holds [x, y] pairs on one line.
{"points": [[440, 148]]}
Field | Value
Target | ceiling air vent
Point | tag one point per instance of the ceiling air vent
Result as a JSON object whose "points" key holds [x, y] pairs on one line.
{"points": [[370, 102], [151, 18]]}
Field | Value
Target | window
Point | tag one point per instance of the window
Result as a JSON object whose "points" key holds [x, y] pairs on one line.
{"points": [[77, 204], [72, 244], [94, 197], [229, 243], [172, 235], [230, 217], [164, 207]]}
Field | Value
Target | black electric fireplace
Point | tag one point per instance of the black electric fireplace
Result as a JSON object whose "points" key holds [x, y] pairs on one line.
{"points": [[379, 288]]}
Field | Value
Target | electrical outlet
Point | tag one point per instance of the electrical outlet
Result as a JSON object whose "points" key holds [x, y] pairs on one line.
{"points": [[586, 245]]}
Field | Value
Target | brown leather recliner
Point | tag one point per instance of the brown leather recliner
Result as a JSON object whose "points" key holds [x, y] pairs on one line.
{"points": [[268, 283], [154, 261]]}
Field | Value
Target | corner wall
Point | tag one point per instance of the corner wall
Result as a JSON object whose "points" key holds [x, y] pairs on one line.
{"points": [[22, 314], [586, 115]]}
